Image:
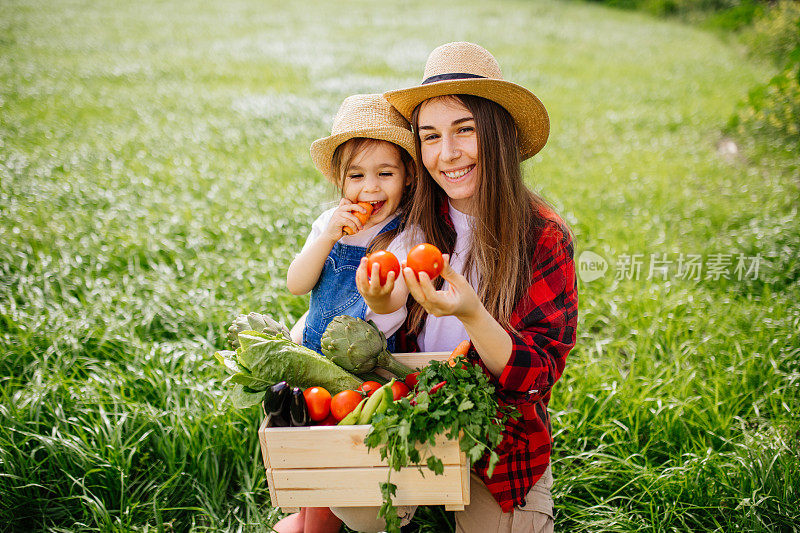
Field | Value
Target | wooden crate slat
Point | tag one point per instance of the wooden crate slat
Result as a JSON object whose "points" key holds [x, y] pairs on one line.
{"points": [[354, 487], [420, 359], [261, 437], [333, 446]]}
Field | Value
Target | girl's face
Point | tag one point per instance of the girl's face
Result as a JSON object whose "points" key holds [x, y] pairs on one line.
{"points": [[449, 148], [376, 175]]}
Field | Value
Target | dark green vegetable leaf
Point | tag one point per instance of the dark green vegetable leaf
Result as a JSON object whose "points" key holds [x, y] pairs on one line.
{"points": [[243, 398], [435, 464], [249, 381]]}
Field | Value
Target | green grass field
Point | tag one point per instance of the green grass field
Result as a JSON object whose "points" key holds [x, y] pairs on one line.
{"points": [[155, 181]]}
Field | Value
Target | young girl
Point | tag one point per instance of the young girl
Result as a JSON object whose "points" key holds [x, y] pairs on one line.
{"points": [[509, 282], [369, 157]]}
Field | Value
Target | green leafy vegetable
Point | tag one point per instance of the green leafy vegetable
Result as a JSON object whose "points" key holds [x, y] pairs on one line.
{"points": [[464, 407], [263, 359], [241, 397]]}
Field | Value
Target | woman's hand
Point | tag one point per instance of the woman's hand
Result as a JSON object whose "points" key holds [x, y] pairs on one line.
{"points": [[459, 299], [343, 216], [488, 337]]}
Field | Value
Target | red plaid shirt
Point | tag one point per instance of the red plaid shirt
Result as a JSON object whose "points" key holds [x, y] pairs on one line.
{"points": [[546, 319]]}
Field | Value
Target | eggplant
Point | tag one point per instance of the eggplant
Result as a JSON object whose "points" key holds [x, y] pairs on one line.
{"points": [[275, 398], [298, 410], [275, 403]]}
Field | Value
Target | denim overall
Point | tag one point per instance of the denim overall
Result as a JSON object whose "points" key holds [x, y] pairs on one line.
{"points": [[336, 293]]}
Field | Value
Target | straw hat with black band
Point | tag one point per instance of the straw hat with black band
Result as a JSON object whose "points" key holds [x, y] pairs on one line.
{"points": [[362, 115], [466, 68]]}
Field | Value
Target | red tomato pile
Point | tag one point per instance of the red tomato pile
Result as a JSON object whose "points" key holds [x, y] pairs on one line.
{"points": [[325, 410]]}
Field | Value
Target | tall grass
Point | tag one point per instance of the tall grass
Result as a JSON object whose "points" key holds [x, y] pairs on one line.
{"points": [[155, 181]]}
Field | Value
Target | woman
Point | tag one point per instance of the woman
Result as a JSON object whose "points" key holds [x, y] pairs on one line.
{"points": [[509, 282]]}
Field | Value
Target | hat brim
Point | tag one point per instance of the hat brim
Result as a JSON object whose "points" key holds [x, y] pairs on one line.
{"points": [[322, 149], [530, 115]]}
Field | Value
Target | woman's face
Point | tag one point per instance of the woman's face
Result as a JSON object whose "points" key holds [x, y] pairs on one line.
{"points": [[449, 148]]}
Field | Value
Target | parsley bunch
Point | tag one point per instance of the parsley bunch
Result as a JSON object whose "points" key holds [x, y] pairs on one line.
{"points": [[464, 407]]}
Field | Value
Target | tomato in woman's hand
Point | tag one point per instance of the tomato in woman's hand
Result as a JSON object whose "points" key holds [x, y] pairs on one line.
{"points": [[399, 389], [318, 401], [387, 262], [369, 387], [425, 258], [411, 380], [344, 402]]}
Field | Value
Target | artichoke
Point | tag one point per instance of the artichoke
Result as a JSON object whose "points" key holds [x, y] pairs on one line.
{"points": [[359, 346], [254, 322]]}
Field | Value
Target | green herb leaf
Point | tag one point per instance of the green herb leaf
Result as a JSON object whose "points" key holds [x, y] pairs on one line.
{"points": [[435, 464]]}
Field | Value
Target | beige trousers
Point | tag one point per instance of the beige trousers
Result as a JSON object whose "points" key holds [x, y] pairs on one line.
{"points": [[482, 515]]}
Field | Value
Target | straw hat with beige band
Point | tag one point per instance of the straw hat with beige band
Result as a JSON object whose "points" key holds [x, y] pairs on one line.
{"points": [[466, 68], [362, 115]]}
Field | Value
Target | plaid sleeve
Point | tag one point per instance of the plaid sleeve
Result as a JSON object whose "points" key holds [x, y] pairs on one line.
{"points": [[545, 319]]}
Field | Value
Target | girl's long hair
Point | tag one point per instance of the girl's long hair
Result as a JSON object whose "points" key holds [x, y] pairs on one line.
{"points": [[344, 155], [508, 217]]}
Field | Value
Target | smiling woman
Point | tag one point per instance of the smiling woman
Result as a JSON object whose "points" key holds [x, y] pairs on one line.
{"points": [[508, 284]]}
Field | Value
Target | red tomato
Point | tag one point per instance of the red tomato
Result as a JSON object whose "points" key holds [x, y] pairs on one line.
{"points": [[318, 401], [369, 387], [399, 389], [329, 421], [411, 380], [344, 402], [387, 262], [425, 258]]}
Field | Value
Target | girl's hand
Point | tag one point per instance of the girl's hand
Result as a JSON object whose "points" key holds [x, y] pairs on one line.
{"points": [[459, 299], [369, 285], [343, 216]]}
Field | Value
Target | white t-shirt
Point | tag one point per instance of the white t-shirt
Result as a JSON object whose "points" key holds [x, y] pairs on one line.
{"points": [[442, 334], [390, 322]]}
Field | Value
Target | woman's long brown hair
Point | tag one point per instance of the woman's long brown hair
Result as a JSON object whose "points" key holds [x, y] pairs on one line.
{"points": [[507, 215]]}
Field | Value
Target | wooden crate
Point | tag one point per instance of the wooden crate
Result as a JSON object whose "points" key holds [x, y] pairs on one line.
{"points": [[325, 466]]}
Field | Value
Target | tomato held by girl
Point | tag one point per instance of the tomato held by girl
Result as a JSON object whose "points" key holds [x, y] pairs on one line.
{"points": [[369, 157], [508, 284]]}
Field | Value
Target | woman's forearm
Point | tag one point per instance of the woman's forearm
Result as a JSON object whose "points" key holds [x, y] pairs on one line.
{"points": [[491, 341]]}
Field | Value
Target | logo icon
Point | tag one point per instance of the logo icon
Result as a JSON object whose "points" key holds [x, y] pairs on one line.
{"points": [[591, 266]]}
